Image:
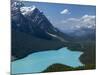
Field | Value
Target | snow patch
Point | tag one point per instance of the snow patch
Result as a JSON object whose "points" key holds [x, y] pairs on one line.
{"points": [[27, 10]]}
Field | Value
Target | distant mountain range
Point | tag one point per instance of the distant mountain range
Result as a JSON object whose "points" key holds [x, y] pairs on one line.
{"points": [[83, 34]]}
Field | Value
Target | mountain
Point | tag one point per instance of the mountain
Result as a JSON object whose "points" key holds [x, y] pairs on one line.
{"points": [[85, 34], [33, 32]]}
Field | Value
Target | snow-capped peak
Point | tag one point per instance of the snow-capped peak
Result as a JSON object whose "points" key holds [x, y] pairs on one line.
{"points": [[27, 10]]}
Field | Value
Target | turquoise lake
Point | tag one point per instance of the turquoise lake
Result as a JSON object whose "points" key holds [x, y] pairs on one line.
{"points": [[39, 61]]}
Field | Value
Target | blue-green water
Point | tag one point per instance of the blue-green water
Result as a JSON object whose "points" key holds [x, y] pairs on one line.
{"points": [[38, 62]]}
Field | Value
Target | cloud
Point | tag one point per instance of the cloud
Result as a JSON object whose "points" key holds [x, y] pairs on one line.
{"points": [[65, 11], [85, 21], [88, 18]]}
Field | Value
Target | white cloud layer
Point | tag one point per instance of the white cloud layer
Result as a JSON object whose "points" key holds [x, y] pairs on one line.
{"points": [[86, 21], [65, 11]]}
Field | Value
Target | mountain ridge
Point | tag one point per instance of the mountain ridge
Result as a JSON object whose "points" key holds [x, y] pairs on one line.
{"points": [[33, 32]]}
